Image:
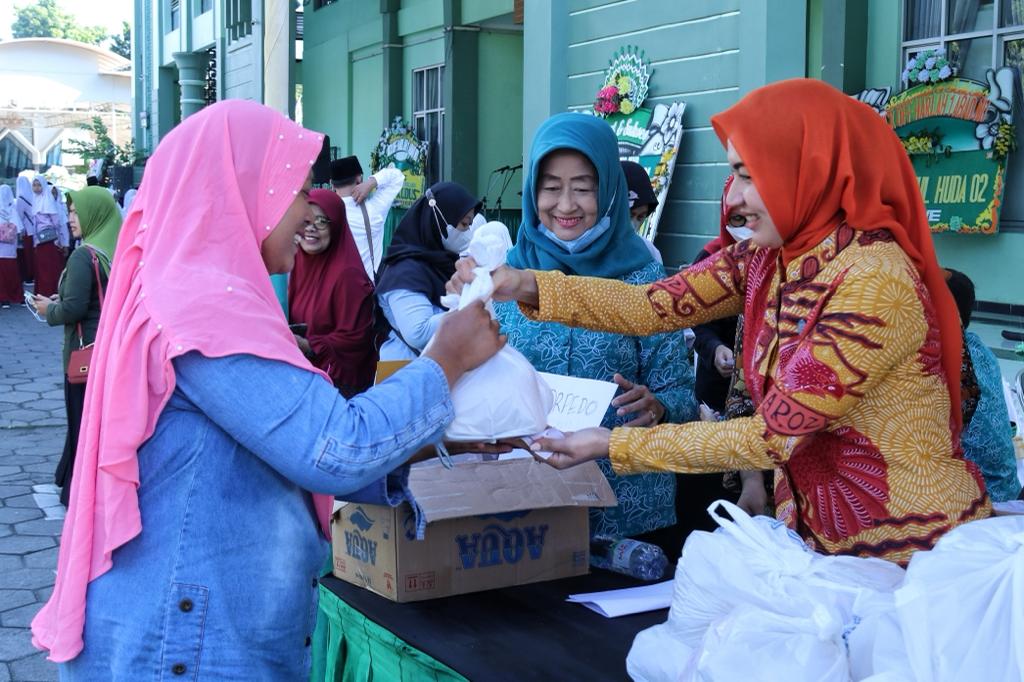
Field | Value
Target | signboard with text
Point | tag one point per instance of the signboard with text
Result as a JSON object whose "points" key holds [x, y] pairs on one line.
{"points": [[961, 193], [959, 134], [651, 138], [399, 148]]}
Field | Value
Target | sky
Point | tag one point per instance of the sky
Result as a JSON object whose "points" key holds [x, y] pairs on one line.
{"points": [[106, 13]]}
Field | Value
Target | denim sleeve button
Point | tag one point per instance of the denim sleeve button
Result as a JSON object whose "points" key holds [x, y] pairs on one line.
{"points": [[185, 605], [178, 668]]}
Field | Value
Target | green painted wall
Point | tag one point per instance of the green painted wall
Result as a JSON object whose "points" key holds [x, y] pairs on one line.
{"points": [[500, 109], [883, 44], [366, 113]]}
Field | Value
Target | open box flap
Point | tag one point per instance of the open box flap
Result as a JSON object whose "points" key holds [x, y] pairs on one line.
{"points": [[494, 487]]}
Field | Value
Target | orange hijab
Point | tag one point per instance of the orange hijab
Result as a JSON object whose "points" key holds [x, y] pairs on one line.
{"points": [[819, 158]]}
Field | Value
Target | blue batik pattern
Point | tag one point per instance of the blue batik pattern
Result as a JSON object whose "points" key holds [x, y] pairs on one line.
{"points": [[660, 362], [987, 440]]}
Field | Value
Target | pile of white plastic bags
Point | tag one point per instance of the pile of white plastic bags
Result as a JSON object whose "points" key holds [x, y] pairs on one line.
{"points": [[753, 602]]}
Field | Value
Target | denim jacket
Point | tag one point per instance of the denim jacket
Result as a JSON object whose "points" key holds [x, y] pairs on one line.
{"points": [[221, 583]]}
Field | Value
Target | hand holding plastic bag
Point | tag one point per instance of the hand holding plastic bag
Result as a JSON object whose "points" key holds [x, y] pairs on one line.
{"points": [[505, 397]]}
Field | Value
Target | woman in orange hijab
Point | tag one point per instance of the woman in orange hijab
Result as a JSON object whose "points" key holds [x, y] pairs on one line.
{"points": [[852, 347]]}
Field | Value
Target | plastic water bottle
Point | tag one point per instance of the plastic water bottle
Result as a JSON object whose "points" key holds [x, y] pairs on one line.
{"points": [[641, 560]]}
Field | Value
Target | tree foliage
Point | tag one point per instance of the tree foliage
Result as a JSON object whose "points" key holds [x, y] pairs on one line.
{"points": [[122, 44], [45, 19], [102, 147]]}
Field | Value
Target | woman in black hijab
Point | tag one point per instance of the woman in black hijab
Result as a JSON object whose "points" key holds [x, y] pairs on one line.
{"points": [[418, 264]]}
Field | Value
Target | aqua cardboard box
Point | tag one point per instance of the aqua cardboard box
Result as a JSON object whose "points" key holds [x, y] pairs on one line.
{"points": [[489, 525]]}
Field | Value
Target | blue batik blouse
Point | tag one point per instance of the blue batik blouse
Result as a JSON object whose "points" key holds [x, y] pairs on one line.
{"points": [[987, 440], [660, 362]]}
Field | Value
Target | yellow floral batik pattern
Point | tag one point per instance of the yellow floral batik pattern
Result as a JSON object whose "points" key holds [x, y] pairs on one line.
{"points": [[852, 405]]}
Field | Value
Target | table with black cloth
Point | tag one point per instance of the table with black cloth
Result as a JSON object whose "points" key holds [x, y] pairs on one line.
{"points": [[527, 632]]}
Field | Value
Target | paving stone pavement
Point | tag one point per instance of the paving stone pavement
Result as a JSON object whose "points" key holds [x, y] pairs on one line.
{"points": [[32, 428]]}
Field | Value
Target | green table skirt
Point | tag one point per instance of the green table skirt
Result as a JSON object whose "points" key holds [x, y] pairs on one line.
{"points": [[348, 647]]}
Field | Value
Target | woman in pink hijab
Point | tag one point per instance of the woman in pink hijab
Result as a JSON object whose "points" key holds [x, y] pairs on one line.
{"points": [[210, 447]]}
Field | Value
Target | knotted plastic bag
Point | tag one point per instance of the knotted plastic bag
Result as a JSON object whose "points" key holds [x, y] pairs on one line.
{"points": [[505, 397], [758, 564], [961, 608]]}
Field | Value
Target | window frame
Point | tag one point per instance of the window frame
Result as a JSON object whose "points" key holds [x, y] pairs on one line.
{"points": [[999, 35], [173, 15], [435, 147]]}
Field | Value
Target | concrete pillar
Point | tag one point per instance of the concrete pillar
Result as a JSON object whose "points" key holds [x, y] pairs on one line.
{"points": [[191, 79], [278, 55]]}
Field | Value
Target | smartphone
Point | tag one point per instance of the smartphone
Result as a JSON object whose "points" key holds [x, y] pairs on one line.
{"points": [[299, 329], [30, 304]]}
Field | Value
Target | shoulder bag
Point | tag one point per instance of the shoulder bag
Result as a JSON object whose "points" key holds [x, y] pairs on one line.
{"points": [[81, 358]]}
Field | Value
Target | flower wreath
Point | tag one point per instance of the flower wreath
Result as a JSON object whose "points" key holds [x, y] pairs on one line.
{"points": [[625, 84], [927, 66]]}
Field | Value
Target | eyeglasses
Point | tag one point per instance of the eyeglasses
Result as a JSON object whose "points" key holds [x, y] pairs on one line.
{"points": [[321, 223]]}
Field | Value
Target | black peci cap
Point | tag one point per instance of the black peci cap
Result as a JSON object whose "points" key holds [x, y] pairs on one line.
{"points": [[345, 169]]}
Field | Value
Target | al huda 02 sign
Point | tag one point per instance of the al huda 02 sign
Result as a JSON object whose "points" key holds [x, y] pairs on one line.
{"points": [[958, 133]]}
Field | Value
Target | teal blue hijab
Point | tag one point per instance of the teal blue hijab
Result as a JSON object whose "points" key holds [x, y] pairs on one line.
{"points": [[617, 252]]}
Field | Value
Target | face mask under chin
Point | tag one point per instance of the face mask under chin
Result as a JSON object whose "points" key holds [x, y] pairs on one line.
{"points": [[739, 233]]}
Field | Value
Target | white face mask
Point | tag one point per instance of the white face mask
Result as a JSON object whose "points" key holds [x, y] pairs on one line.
{"points": [[739, 233], [456, 240]]}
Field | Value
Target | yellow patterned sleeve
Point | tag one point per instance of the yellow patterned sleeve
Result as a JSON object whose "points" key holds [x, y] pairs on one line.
{"points": [[873, 321], [708, 290]]}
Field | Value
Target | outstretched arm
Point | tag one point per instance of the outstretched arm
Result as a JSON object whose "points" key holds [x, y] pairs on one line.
{"points": [[711, 289]]}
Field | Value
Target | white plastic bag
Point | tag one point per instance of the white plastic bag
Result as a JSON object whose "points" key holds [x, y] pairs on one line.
{"points": [[756, 563], [759, 561], [505, 397], [755, 644], [961, 608]]}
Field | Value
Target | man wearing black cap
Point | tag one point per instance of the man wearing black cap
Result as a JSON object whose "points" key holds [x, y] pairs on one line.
{"points": [[366, 205]]}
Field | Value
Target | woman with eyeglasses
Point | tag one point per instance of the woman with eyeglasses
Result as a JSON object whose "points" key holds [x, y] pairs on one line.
{"points": [[418, 264], [330, 293]]}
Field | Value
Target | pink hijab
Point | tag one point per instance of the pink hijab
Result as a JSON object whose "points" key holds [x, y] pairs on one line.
{"points": [[188, 277]]}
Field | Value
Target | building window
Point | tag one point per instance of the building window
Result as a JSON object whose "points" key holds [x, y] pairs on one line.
{"points": [[205, 6], [976, 34], [238, 19], [54, 156], [428, 115], [210, 76], [14, 158], [175, 15], [317, 4]]}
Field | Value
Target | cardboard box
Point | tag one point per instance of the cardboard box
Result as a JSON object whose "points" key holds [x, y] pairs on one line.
{"points": [[490, 524]]}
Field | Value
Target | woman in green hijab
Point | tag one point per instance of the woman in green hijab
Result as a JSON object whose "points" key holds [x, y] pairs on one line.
{"points": [[96, 220]]}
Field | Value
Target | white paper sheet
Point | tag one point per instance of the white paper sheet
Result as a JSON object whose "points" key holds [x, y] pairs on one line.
{"points": [[615, 603], [579, 403]]}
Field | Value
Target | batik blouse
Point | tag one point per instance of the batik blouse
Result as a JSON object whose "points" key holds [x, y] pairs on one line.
{"points": [[846, 374], [988, 439]]}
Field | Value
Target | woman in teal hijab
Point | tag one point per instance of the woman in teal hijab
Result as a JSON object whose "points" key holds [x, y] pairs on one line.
{"points": [[95, 219], [576, 220]]}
